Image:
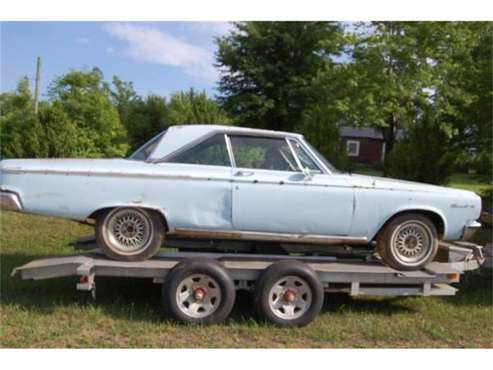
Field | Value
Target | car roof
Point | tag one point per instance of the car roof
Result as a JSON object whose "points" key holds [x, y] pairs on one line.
{"points": [[178, 136]]}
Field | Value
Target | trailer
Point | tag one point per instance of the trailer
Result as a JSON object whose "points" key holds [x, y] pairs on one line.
{"points": [[288, 290]]}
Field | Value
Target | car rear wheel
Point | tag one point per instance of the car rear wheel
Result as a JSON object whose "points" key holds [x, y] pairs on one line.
{"points": [[408, 242], [129, 234]]}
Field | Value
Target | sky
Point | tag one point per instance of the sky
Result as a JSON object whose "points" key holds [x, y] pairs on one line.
{"points": [[158, 57]]}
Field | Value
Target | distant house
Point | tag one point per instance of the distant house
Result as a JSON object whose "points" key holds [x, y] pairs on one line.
{"points": [[363, 145]]}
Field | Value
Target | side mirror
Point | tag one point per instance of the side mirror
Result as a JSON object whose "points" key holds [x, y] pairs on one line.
{"points": [[307, 173]]}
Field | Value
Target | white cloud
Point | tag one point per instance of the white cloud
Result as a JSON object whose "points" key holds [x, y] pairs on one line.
{"points": [[148, 44]]}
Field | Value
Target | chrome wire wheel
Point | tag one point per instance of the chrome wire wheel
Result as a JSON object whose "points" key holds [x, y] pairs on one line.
{"points": [[412, 243], [290, 297], [128, 230], [198, 296]]}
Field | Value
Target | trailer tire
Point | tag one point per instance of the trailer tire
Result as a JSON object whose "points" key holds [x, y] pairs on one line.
{"points": [[288, 293], [145, 230], [198, 291]]}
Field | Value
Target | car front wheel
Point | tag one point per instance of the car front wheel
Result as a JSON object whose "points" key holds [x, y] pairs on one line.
{"points": [[129, 234], [408, 242]]}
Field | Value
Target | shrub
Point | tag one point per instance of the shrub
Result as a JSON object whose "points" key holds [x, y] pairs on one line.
{"points": [[483, 164], [423, 156], [487, 199]]}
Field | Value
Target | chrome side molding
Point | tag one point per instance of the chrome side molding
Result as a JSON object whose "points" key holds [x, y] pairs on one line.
{"points": [[265, 236]]}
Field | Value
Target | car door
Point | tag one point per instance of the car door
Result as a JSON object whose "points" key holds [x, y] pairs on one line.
{"points": [[200, 196], [272, 195]]}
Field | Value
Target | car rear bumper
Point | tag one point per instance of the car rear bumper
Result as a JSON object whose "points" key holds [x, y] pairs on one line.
{"points": [[10, 201], [470, 229]]}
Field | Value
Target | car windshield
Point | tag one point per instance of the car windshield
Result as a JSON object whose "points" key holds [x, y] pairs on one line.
{"points": [[143, 153], [322, 158]]}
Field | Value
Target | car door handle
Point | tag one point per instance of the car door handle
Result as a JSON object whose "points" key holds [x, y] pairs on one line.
{"points": [[244, 173]]}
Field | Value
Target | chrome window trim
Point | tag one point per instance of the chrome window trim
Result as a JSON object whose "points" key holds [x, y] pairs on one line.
{"points": [[315, 157], [298, 162], [226, 132], [232, 159], [297, 138], [276, 137], [311, 155], [159, 137], [191, 145]]}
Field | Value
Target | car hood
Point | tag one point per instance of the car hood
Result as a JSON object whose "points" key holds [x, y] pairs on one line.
{"points": [[386, 183]]}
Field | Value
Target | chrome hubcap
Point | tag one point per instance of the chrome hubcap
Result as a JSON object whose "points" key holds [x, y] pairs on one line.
{"points": [[412, 242], [198, 296], [129, 230], [290, 297]]}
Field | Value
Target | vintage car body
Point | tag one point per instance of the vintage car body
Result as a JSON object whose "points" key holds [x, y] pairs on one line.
{"points": [[230, 202]]}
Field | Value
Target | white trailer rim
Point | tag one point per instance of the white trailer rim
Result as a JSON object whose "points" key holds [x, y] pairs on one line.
{"points": [[290, 297], [198, 296]]}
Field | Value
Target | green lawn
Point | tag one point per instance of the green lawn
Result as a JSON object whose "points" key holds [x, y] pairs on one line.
{"points": [[127, 312]]}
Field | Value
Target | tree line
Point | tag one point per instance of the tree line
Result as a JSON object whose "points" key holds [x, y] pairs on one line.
{"points": [[430, 80]]}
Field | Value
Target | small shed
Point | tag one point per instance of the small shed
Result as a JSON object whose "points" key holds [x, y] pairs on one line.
{"points": [[363, 145]]}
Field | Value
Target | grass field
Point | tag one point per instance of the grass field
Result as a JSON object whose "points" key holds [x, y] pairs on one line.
{"points": [[127, 312]]}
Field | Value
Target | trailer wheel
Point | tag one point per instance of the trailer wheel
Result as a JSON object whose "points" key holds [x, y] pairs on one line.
{"points": [[289, 293], [198, 291], [129, 234]]}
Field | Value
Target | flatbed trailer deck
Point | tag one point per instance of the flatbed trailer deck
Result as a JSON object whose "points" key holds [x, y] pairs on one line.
{"points": [[353, 276]]}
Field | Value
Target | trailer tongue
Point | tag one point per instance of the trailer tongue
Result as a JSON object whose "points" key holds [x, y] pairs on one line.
{"points": [[200, 287]]}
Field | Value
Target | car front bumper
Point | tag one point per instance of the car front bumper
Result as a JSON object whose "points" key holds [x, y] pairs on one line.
{"points": [[470, 229], [10, 201]]}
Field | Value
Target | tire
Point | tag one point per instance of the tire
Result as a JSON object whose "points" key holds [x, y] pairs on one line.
{"points": [[288, 293], [129, 234], [408, 242], [180, 292]]}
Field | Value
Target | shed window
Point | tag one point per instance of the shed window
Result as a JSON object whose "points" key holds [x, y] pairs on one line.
{"points": [[352, 148]]}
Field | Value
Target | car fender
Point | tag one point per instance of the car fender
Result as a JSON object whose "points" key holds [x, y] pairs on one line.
{"points": [[410, 208], [137, 204]]}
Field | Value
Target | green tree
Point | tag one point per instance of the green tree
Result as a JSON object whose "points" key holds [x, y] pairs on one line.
{"points": [[123, 96], [401, 69], [83, 96], [60, 135], [421, 155], [268, 68], [21, 134], [390, 76], [147, 117], [469, 87], [195, 107]]}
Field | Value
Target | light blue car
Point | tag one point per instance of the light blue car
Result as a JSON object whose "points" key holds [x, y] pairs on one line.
{"points": [[207, 184]]}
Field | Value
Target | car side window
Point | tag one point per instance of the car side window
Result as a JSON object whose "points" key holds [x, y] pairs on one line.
{"points": [[262, 153], [303, 156], [210, 152]]}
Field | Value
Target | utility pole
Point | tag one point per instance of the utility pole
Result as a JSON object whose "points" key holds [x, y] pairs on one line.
{"points": [[36, 86]]}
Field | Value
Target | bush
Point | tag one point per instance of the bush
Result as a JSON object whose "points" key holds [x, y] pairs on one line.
{"points": [[423, 156], [487, 199], [483, 165]]}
